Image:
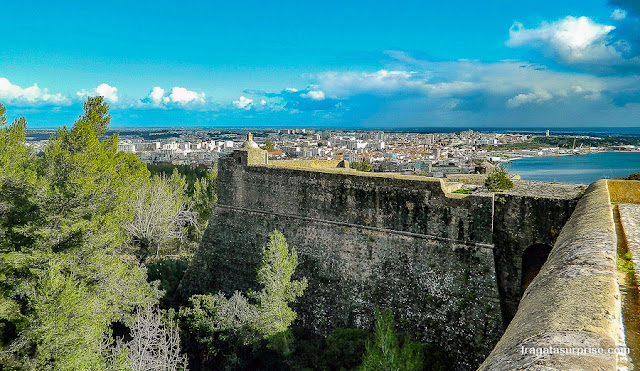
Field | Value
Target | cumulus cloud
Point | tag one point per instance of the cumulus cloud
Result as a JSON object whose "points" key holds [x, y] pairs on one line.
{"points": [[628, 29], [633, 6], [618, 14], [183, 96], [455, 79], [156, 96], [302, 100], [383, 82], [314, 95], [110, 93], [413, 91], [572, 40], [585, 44], [538, 97], [463, 85], [243, 103], [177, 97], [14, 94]]}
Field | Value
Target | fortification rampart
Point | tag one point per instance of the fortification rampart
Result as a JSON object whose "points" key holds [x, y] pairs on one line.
{"points": [[574, 301], [527, 221], [364, 241], [368, 240], [400, 203]]}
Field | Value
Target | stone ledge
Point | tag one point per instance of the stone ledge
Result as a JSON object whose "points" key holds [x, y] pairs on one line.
{"points": [[514, 359]]}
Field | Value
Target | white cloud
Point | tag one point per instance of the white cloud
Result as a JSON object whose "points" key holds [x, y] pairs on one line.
{"points": [[243, 103], [291, 90], [263, 102], [573, 40], [538, 97], [110, 93], [618, 14], [464, 85], [449, 88], [314, 95], [178, 95], [156, 96], [335, 84], [11, 93], [183, 96]]}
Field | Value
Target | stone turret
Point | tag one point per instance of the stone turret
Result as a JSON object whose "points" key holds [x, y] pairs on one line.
{"points": [[250, 144], [250, 153]]}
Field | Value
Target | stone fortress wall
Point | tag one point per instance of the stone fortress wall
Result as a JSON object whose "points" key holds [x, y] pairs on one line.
{"points": [[574, 301], [448, 265]]}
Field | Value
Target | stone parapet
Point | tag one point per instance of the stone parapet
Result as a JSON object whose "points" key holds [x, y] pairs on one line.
{"points": [[573, 303]]}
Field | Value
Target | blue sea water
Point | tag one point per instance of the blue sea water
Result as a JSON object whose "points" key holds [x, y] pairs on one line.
{"points": [[579, 169], [591, 131]]}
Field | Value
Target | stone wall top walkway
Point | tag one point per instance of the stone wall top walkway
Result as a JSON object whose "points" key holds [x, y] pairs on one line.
{"points": [[531, 188], [574, 300]]}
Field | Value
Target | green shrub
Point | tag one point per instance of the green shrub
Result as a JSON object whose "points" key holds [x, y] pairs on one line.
{"points": [[462, 190], [498, 180], [635, 176], [168, 272], [362, 166], [227, 327]]}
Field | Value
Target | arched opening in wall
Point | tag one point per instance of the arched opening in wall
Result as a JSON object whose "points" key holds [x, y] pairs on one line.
{"points": [[532, 260]]}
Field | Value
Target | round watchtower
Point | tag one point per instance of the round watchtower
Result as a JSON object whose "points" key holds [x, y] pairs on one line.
{"points": [[249, 143]]}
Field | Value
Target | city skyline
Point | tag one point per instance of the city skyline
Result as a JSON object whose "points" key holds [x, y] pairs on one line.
{"points": [[356, 65]]}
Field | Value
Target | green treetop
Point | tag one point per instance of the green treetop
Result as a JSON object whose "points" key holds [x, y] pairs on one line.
{"points": [[498, 180], [219, 322], [268, 146], [63, 278], [362, 166]]}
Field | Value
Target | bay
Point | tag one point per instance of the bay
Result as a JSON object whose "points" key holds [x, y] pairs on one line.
{"points": [[578, 169]]}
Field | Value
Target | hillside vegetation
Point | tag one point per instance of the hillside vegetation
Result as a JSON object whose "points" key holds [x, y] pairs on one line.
{"points": [[93, 244]]}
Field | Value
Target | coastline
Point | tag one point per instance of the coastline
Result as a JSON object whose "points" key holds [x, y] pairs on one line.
{"points": [[576, 169], [565, 154]]}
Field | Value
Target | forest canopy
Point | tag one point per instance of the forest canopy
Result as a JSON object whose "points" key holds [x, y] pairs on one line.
{"points": [[93, 244], [72, 253]]}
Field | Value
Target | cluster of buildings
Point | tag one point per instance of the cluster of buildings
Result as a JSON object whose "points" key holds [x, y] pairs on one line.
{"points": [[180, 153], [433, 154]]}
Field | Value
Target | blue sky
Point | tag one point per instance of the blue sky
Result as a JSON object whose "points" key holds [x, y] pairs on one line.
{"points": [[332, 63]]}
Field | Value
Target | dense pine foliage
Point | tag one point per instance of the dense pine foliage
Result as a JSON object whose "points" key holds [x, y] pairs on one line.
{"points": [[93, 244]]}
